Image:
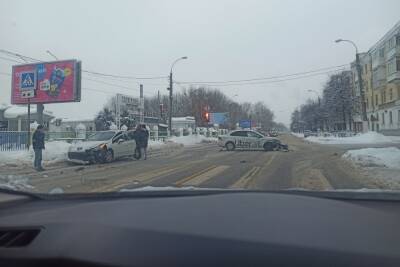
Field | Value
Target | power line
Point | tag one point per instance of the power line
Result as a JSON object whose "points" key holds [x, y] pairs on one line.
{"points": [[268, 78], [11, 60], [86, 71], [262, 82]]}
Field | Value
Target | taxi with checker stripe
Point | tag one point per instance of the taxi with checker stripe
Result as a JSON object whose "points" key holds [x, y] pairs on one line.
{"points": [[250, 140]]}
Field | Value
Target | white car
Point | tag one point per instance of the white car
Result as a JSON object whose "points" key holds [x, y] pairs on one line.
{"points": [[103, 147], [247, 139]]}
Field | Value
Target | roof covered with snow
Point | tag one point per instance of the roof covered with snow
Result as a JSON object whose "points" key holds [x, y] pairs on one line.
{"points": [[14, 112], [183, 119]]}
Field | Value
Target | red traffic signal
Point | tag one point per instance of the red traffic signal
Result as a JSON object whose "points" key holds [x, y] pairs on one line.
{"points": [[207, 117]]}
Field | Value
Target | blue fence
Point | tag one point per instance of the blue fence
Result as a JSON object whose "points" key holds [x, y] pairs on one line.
{"points": [[13, 141]]}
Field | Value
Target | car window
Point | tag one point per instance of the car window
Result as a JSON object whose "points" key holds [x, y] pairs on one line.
{"points": [[239, 133], [253, 134]]}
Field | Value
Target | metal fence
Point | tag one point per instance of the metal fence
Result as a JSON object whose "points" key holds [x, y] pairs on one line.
{"points": [[13, 141]]}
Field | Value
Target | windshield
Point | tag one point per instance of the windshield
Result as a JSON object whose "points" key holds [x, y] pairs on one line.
{"points": [[254, 95], [101, 136]]}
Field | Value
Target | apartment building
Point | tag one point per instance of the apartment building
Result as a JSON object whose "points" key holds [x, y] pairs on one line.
{"points": [[381, 82]]}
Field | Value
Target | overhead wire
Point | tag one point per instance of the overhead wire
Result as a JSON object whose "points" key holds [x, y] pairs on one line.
{"points": [[267, 78]]}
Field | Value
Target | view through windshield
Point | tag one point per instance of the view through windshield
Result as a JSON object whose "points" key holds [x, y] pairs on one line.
{"points": [[254, 95]]}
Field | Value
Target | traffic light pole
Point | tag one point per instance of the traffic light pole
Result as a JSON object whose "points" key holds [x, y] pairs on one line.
{"points": [[170, 103]]}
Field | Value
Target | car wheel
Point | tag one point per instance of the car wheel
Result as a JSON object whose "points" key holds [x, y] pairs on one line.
{"points": [[268, 146], [230, 146], [109, 156]]}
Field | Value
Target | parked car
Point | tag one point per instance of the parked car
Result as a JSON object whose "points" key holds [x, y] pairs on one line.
{"points": [[103, 147], [247, 139]]}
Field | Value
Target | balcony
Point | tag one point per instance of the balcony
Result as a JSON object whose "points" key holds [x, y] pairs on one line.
{"points": [[394, 76], [387, 105]]}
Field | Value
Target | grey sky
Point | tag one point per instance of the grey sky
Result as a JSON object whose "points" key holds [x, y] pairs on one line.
{"points": [[224, 40]]}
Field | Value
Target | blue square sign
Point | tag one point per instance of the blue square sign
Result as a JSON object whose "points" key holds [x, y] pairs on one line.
{"points": [[27, 81]]}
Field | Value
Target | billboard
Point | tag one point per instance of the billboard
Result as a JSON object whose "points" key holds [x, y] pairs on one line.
{"points": [[46, 82], [247, 123], [218, 118]]}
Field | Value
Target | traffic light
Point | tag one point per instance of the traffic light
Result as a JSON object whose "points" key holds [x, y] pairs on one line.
{"points": [[207, 117]]}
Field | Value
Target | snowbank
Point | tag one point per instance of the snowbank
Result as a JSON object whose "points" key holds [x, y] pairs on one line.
{"points": [[15, 182], [301, 135], [375, 157], [365, 138], [55, 151], [192, 139]]}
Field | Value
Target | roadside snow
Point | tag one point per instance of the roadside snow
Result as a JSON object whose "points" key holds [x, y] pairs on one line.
{"points": [[365, 138], [301, 135], [15, 182], [375, 157], [55, 151]]}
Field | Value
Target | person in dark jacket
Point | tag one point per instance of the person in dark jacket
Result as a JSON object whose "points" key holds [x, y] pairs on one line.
{"points": [[138, 136], [146, 140], [38, 146]]}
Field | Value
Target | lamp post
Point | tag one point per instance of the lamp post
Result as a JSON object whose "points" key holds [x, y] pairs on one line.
{"points": [[170, 93], [360, 84]]}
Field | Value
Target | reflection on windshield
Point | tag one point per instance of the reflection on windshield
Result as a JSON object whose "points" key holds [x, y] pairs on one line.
{"points": [[101, 136]]}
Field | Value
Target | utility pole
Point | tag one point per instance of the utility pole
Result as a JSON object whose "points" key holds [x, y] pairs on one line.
{"points": [[170, 94], [29, 123], [141, 105], [360, 84], [170, 102]]}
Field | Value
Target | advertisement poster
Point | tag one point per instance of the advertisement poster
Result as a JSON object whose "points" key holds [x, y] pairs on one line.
{"points": [[47, 82]]}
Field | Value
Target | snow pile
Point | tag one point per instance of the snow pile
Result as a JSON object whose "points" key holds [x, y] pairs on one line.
{"points": [[55, 151], [192, 139], [301, 135], [365, 138], [375, 157], [15, 182]]}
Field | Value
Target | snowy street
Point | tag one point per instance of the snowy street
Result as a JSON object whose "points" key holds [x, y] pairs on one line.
{"points": [[201, 163]]}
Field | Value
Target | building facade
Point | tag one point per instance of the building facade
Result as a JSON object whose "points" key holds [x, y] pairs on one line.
{"points": [[381, 81]]}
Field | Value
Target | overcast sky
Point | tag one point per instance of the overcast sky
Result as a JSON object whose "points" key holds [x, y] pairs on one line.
{"points": [[224, 40]]}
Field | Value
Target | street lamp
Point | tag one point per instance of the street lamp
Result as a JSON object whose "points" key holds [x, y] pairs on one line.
{"points": [[360, 84], [170, 93]]}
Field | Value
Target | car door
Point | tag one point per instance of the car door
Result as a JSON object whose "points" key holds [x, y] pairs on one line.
{"points": [[118, 145], [129, 144], [241, 139], [254, 139]]}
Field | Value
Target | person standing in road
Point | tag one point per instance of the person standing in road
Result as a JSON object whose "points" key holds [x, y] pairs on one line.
{"points": [[138, 135], [38, 146], [146, 140]]}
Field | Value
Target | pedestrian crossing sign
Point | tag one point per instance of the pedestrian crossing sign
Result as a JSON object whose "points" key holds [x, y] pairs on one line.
{"points": [[28, 81]]}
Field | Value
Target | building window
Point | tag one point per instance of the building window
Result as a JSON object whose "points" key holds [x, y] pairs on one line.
{"points": [[383, 118], [398, 116], [392, 43], [398, 64], [390, 117], [376, 100], [382, 52], [398, 40], [391, 93], [367, 104], [365, 68]]}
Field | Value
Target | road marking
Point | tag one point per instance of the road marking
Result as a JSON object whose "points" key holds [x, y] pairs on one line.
{"points": [[141, 178], [184, 180], [205, 176], [245, 179]]}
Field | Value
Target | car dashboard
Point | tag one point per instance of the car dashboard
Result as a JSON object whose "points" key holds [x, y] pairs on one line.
{"points": [[210, 228]]}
